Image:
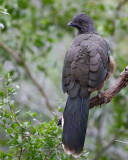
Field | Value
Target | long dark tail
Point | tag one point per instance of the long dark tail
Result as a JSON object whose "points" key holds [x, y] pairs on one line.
{"points": [[75, 124]]}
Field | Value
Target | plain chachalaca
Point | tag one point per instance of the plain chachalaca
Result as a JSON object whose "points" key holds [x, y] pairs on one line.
{"points": [[87, 65]]}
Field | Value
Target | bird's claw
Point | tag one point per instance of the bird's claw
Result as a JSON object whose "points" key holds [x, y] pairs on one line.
{"points": [[100, 93]]}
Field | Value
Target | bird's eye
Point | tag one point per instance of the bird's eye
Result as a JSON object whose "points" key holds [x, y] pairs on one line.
{"points": [[80, 22]]}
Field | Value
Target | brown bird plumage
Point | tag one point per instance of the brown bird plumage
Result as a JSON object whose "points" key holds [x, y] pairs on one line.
{"points": [[87, 65]]}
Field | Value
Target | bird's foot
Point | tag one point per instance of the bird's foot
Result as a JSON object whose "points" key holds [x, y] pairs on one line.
{"points": [[60, 121], [100, 93]]}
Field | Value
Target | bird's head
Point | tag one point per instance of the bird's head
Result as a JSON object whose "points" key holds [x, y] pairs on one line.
{"points": [[83, 23]]}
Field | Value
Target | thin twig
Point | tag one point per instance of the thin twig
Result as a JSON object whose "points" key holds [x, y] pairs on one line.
{"points": [[8, 102], [29, 135], [50, 152], [17, 121], [18, 58], [21, 150], [50, 107], [121, 4], [116, 15], [7, 126], [104, 149], [121, 141], [34, 119]]}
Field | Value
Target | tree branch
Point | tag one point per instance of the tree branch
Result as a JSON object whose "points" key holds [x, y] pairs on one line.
{"points": [[107, 96], [18, 58], [19, 157], [121, 4]]}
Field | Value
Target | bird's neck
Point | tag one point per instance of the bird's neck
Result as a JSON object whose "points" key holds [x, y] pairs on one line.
{"points": [[92, 32]]}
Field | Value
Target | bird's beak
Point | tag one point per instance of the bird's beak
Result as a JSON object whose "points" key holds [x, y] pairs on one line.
{"points": [[70, 23]]}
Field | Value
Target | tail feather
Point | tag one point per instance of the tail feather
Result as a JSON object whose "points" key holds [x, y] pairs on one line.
{"points": [[75, 124]]}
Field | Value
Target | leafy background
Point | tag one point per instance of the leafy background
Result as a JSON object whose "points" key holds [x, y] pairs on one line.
{"points": [[34, 39]]}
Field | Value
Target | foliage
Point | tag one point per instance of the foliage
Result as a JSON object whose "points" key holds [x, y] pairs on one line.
{"points": [[28, 139], [3, 11]]}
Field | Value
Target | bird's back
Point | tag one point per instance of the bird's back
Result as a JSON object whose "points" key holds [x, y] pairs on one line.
{"points": [[86, 64]]}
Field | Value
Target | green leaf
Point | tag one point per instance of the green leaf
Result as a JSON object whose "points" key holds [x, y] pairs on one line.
{"points": [[26, 124], [2, 94], [19, 140], [34, 114], [4, 120]]}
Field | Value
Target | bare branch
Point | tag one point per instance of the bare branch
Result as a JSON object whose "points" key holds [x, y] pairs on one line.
{"points": [[107, 96], [121, 4], [14, 54], [40, 88], [18, 58]]}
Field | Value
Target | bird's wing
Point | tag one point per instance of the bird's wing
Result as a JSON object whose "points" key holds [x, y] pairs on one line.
{"points": [[99, 63], [67, 84], [85, 66], [97, 72], [75, 70]]}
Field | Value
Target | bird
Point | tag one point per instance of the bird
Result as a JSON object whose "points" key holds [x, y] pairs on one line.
{"points": [[87, 65]]}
